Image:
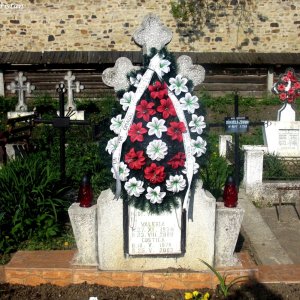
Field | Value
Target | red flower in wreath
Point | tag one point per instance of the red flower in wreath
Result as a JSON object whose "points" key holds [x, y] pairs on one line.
{"points": [[175, 130], [135, 160], [158, 90], [154, 173], [166, 108], [177, 160], [145, 110], [136, 132]]}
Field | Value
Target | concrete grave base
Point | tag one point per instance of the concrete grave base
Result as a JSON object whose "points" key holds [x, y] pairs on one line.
{"points": [[200, 234], [211, 235], [17, 114], [228, 224], [83, 222]]}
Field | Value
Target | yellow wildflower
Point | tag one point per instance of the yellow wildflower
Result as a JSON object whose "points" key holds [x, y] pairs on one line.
{"points": [[66, 244], [206, 296], [195, 293], [188, 296]]}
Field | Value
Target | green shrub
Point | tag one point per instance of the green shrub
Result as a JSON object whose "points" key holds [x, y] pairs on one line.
{"points": [[273, 167], [214, 168], [44, 105], [31, 203]]}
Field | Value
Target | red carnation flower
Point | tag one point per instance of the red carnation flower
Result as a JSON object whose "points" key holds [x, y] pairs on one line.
{"points": [[282, 96], [158, 90], [135, 160], [175, 130], [166, 108], [136, 132], [281, 87], [145, 110], [177, 160], [154, 173]]}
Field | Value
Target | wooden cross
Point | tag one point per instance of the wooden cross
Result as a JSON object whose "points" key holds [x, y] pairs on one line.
{"points": [[72, 86], [20, 86]]}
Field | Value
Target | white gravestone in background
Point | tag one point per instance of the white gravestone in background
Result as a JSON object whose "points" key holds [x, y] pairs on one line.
{"points": [[282, 136], [20, 86]]}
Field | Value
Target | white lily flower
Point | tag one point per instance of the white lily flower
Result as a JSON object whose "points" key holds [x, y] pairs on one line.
{"points": [[112, 145], [189, 103], [178, 84], [164, 66], [116, 124], [176, 183], [197, 124], [157, 150], [125, 101], [155, 195], [157, 127], [134, 187], [135, 80], [123, 171], [198, 146]]}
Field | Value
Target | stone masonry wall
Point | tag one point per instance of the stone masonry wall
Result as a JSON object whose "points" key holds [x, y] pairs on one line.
{"points": [[90, 25]]}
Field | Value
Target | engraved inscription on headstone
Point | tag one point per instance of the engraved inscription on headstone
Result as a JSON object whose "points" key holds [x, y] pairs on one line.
{"points": [[154, 234], [288, 139]]}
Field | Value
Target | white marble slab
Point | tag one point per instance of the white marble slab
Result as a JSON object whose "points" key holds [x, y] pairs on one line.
{"points": [[150, 234]]}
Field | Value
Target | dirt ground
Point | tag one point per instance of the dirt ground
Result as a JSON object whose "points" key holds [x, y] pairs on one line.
{"points": [[252, 290]]}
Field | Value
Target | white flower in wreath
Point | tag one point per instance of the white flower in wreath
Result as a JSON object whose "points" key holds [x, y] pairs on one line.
{"points": [[134, 187], [157, 127], [125, 101], [116, 124], [157, 150], [176, 183], [189, 103], [135, 80], [155, 195], [178, 84], [197, 124], [112, 145], [198, 146], [195, 167], [164, 66], [123, 171]]}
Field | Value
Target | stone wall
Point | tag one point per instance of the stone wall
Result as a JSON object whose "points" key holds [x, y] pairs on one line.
{"points": [[89, 25]]}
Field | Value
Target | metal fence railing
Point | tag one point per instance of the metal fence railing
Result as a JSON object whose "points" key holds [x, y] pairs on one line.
{"points": [[277, 168]]}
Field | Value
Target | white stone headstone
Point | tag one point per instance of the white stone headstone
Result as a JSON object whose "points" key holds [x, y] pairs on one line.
{"points": [[20, 86], [282, 138], [286, 113]]}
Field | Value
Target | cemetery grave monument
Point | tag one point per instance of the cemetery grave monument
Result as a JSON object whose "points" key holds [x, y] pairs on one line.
{"points": [[282, 137], [159, 216]]}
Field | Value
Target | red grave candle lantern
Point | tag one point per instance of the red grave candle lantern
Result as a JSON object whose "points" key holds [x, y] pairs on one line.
{"points": [[85, 194], [230, 194]]}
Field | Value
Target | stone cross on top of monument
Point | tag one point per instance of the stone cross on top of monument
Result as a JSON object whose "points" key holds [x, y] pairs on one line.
{"points": [[151, 34], [20, 86], [72, 86]]}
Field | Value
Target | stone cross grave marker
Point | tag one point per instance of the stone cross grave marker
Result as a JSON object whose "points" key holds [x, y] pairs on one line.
{"points": [[20, 86], [150, 234], [71, 87]]}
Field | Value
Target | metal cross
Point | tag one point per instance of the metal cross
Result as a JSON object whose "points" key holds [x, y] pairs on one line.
{"points": [[20, 86], [62, 122], [72, 86]]}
